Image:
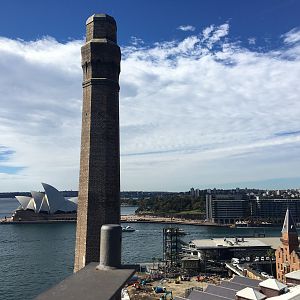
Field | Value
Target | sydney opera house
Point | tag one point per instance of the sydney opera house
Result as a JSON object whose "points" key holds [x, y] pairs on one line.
{"points": [[48, 206]]}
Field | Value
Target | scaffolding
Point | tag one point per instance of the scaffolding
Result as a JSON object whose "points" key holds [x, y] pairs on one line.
{"points": [[172, 245]]}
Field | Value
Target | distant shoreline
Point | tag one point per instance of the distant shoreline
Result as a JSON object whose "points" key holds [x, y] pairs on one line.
{"points": [[164, 220], [125, 219], [9, 221], [133, 219]]}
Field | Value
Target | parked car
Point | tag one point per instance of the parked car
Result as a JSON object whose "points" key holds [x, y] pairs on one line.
{"points": [[248, 258], [267, 258], [256, 258], [185, 278], [235, 260], [262, 259], [264, 274]]}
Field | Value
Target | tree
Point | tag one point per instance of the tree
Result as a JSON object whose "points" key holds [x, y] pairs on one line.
{"points": [[270, 254], [153, 261]]}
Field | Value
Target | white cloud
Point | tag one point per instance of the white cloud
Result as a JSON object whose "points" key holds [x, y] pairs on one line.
{"points": [[252, 41], [191, 114], [293, 36], [40, 111], [135, 41], [213, 34], [186, 28]]}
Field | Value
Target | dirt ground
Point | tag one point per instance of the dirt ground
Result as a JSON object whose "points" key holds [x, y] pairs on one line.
{"points": [[178, 289]]}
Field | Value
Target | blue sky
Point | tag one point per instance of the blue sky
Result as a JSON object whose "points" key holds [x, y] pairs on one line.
{"points": [[150, 20], [209, 93]]}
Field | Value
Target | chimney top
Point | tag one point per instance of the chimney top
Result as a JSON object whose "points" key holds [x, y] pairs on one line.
{"points": [[101, 26]]}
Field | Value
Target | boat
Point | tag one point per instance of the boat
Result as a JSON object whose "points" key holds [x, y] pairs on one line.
{"points": [[181, 232], [127, 229], [240, 224]]}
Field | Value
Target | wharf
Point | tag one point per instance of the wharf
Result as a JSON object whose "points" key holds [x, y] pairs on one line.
{"points": [[164, 220], [9, 221], [126, 219]]}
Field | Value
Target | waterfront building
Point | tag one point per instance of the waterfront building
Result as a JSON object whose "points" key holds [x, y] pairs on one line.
{"points": [[288, 253], [227, 208], [273, 210], [224, 249], [230, 207], [50, 205]]}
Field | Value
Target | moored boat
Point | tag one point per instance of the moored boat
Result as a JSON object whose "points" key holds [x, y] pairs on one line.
{"points": [[127, 229]]}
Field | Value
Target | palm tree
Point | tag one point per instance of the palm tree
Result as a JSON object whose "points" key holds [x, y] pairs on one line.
{"points": [[159, 261], [270, 253], [153, 261]]}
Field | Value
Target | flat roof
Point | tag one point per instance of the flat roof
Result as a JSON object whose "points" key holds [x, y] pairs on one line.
{"points": [[197, 295], [219, 290], [235, 286], [218, 243], [186, 258], [245, 280], [274, 242]]}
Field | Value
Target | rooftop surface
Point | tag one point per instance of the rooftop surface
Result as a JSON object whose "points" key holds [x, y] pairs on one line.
{"points": [[273, 242], [293, 275], [251, 294], [89, 284], [273, 284], [236, 243]]}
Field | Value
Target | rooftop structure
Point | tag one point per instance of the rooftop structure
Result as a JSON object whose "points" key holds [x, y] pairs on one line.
{"points": [[250, 294], [99, 179], [293, 277], [98, 235], [242, 288], [289, 226], [288, 253], [273, 284]]}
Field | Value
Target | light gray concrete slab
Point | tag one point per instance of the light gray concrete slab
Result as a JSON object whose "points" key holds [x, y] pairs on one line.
{"points": [[89, 284]]}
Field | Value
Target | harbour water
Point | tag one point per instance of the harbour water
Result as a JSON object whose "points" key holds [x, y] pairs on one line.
{"points": [[33, 257]]}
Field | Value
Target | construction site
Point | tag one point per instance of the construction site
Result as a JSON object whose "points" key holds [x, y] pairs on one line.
{"points": [[171, 276]]}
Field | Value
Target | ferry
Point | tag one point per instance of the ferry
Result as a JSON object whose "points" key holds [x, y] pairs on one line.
{"points": [[127, 229], [239, 224]]}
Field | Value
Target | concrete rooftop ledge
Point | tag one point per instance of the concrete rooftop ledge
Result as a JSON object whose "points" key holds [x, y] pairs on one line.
{"points": [[90, 283]]}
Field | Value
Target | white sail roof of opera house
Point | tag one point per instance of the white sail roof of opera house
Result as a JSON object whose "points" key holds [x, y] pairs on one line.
{"points": [[51, 201], [44, 206], [38, 199], [23, 200]]}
